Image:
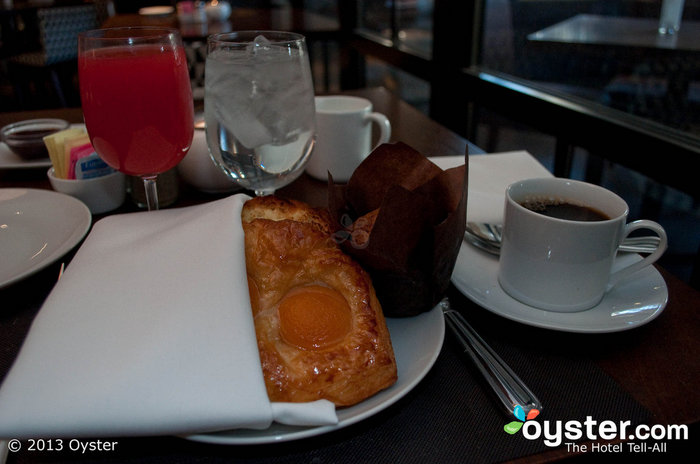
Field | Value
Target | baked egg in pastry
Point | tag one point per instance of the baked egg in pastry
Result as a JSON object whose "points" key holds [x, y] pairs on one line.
{"points": [[320, 328]]}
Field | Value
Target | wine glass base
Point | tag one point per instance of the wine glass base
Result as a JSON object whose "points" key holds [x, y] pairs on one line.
{"points": [[264, 192]]}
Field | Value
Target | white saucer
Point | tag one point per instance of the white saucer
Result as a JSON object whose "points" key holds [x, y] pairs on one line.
{"points": [[632, 303]]}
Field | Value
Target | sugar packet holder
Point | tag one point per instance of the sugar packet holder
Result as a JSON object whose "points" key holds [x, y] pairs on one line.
{"points": [[73, 156]]}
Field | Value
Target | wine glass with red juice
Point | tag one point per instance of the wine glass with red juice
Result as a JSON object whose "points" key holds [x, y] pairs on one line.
{"points": [[136, 100]]}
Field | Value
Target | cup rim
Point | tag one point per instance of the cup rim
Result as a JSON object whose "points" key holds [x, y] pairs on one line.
{"points": [[59, 123], [50, 173], [622, 207], [247, 36], [360, 103], [138, 34]]}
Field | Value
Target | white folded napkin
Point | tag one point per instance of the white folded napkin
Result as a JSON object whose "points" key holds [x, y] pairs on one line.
{"points": [[148, 332], [489, 176]]}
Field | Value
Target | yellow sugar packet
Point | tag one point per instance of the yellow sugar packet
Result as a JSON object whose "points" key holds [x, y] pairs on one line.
{"points": [[55, 144]]}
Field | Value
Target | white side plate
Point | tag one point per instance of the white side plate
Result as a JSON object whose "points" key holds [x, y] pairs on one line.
{"points": [[37, 227]]}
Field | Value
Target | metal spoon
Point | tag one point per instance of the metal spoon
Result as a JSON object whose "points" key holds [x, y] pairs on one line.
{"points": [[488, 237]]}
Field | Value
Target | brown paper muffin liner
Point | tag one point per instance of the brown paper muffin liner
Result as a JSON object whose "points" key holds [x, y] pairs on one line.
{"points": [[403, 219]]}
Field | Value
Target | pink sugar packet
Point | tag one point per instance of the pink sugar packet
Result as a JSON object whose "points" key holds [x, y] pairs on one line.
{"points": [[84, 163], [76, 153]]}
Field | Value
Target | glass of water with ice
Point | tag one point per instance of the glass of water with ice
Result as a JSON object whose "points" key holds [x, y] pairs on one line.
{"points": [[259, 107]]}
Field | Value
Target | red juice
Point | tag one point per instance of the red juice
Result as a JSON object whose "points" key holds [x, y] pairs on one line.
{"points": [[137, 104]]}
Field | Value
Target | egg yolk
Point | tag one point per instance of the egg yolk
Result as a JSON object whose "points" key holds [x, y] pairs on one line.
{"points": [[314, 317]]}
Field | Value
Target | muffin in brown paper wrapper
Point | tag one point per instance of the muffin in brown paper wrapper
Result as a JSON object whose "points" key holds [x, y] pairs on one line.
{"points": [[403, 219]]}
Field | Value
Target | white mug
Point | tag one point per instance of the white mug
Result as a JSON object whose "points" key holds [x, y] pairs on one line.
{"points": [[565, 265], [344, 136]]}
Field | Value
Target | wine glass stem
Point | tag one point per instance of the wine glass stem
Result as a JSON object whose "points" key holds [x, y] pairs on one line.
{"points": [[149, 185]]}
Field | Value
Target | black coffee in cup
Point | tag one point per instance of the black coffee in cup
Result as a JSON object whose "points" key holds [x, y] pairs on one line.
{"points": [[562, 209]]}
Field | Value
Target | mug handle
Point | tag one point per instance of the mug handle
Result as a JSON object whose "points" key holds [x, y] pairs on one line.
{"points": [[384, 127], [618, 275]]}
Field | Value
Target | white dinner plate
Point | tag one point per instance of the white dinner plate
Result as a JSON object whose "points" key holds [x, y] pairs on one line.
{"points": [[37, 227], [633, 302], [416, 341], [9, 160]]}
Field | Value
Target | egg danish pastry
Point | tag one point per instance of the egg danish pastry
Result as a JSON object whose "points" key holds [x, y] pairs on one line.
{"points": [[320, 328]]}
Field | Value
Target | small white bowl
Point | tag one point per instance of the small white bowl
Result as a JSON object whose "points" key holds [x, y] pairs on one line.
{"points": [[100, 194]]}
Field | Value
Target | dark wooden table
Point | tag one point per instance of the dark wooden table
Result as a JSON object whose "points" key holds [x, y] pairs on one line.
{"points": [[649, 372]]}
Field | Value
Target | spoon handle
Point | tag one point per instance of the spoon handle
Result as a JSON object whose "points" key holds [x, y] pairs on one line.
{"points": [[507, 385]]}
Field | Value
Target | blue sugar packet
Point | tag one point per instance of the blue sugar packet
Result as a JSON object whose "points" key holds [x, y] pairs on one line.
{"points": [[91, 166]]}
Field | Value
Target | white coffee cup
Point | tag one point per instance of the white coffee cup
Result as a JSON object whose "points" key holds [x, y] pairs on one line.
{"points": [[565, 265], [344, 136]]}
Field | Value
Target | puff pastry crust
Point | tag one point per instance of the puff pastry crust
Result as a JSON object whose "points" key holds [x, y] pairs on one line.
{"points": [[320, 328]]}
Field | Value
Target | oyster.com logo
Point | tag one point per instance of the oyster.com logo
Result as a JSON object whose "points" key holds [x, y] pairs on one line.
{"points": [[519, 413], [606, 436]]}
